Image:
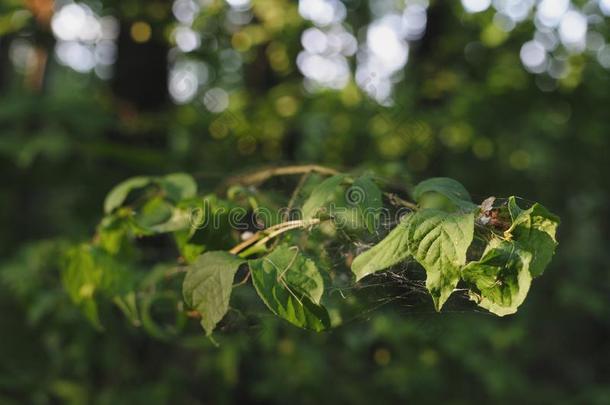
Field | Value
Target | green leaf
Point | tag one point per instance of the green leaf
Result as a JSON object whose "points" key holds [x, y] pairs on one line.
{"points": [[159, 216], [194, 210], [366, 196], [393, 249], [513, 207], [301, 273], [443, 185], [154, 212], [112, 234], [321, 195], [346, 218], [212, 227], [81, 277], [116, 197], [207, 286], [535, 230], [456, 196], [438, 241], [117, 279], [88, 270], [501, 279], [180, 219], [178, 186], [291, 287], [189, 251]]}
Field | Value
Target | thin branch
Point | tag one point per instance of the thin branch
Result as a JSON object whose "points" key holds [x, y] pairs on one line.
{"points": [[263, 175], [293, 199], [396, 200], [175, 271], [262, 237], [252, 239], [295, 194], [280, 231]]}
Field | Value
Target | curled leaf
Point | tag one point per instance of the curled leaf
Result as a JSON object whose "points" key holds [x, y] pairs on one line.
{"points": [[535, 230], [501, 279]]}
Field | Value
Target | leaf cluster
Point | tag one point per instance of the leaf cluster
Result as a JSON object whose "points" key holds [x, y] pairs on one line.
{"points": [[494, 249]]}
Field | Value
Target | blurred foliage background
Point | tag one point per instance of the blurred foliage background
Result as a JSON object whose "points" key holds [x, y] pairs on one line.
{"points": [[507, 96]]}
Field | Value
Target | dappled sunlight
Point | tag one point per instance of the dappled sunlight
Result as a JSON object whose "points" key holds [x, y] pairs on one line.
{"points": [[334, 54]]}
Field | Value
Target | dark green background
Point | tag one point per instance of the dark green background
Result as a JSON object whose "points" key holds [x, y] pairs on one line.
{"points": [[479, 118]]}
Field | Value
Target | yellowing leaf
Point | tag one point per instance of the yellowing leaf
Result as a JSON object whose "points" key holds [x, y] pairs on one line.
{"points": [[501, 279], [535, 230]]}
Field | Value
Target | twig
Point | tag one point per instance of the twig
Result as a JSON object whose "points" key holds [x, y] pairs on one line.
{"points": [[396, 200], [280, 231], [260, 238], [263, 175], [262, 233], [295, 194], [293, 198]]}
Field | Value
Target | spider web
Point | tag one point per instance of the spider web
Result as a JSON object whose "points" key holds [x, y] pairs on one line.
{"points": [[400, 289]]}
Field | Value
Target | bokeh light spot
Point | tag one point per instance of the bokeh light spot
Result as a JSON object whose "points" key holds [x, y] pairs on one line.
{"points": [[140, 31], [476, 6], [533, 56], [519, 160], [286, 106]]}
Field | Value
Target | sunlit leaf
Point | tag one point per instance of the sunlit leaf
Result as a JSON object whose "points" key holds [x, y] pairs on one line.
{"points": [[288, 284], [119, 193], [438, 241], [535, 230], [81, 277], [87, 270], [321, 195], [178, 186], [392, 249], [112, 233], [154, 212], [428, 194], [501, 279]]}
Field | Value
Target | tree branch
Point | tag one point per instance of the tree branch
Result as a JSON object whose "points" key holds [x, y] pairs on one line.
{"points": [[263, 175], [262, 237]]}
